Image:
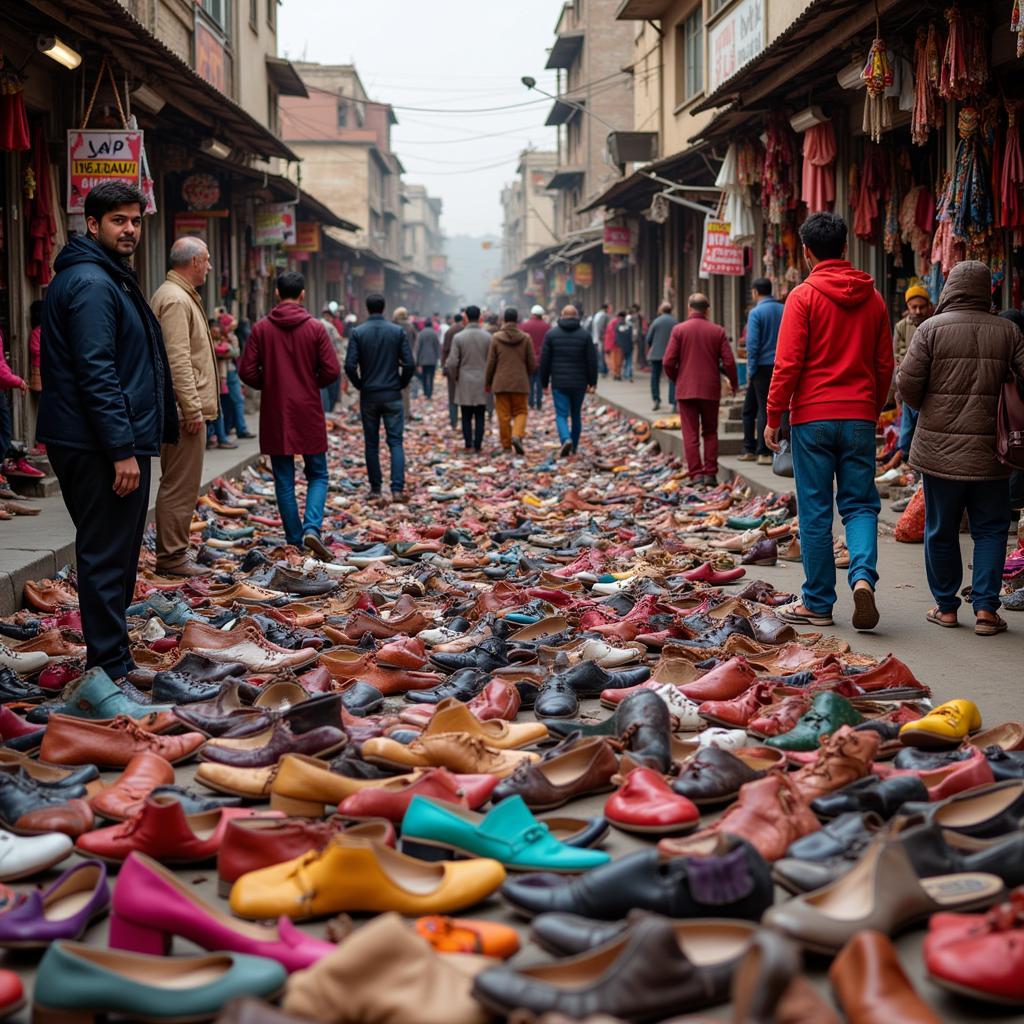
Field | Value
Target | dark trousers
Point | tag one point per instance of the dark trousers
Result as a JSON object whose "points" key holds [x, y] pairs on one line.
{"points": [[473, 425], [536, 391], [427, 380], [6, 424], [656, 384], [392, 414], [108, 537], [329, 395], [987, 503], [750, 419], [760, 381]]}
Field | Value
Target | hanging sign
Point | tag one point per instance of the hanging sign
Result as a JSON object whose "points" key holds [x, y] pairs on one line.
{"points": [[584, 275], [373, 279], [194, 224], [617, 241], [718, 254], [98, 156], [735, 40], [210, 62], [307, 237], [275, 224]]}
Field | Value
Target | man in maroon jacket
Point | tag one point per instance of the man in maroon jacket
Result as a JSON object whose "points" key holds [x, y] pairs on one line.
{"points": [[289, 357], [698, 353], [537, 328]]}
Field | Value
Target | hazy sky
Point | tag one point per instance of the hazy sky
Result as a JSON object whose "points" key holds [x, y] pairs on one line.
{"points": [[444, 55]]}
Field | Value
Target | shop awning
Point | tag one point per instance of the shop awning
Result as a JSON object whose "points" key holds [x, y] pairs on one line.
{"points": [[562, 112], [540, 256], [565, 177], [283, 74], [566, 49], [642, 10], [127, 42]]}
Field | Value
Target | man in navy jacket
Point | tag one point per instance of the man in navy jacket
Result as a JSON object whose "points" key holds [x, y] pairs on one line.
{"points": [[762, 334], [106, 407]]}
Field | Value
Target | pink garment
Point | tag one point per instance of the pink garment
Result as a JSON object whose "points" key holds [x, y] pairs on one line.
{"points": [[819, 174], [9, 380], [35, 347]]}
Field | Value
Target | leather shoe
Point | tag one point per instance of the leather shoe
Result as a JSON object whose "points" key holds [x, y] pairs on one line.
{"points": [[643, 725], [713, 776], [871, 794], [644, 803], [584, 768]]}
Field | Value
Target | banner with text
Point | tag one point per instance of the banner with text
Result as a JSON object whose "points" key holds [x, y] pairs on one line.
{"points": [[98, 156], [718, 255], [617, 241]]}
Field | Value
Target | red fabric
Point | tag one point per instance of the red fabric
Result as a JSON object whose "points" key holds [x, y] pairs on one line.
{"points": [[910, 528], [819, 172], [42, 226], [9, 380], [35, 347], [699, 416], [14, 122], [609, 332], [290, 358], [536, 328], [695, 350], [834, 359]]}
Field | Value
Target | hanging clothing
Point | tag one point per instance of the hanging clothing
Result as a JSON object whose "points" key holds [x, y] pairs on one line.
{"points": [[818, 188], [42, 225], [737, 209]]}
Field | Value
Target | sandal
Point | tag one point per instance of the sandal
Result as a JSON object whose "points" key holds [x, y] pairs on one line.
{"points": [[805, 618], [990, 627], [933, 616]]}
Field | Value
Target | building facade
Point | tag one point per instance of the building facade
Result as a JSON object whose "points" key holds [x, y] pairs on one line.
{"points": [[528, 209]]}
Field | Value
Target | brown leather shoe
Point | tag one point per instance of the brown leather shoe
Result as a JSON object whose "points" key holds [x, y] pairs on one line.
{"points": [[769, 813], [586, 767], [50, 642], [187, 568], [111, 744], [456, 751], [871, 985], [843, 757], [264, 749], [121, 799]]}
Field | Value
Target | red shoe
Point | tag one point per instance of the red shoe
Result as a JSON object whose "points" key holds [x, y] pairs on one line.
{"points": [[13, 727], [736, 713], [646, 803], [727, 681], [947, 781], [779, 718], [23, 468], [403, 652], [497, 699], [391, 799], [12, 994], [889, 674], [57, 675], [706, 574]]}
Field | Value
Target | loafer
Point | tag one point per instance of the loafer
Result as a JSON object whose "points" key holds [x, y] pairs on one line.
{"points": [[645, 803], [24, 856], [390, 799], [456, 751], [508, 833], [725, 682], [986, 813], [63, 910], [643, 724], [827, 713], [121, 799], [454, 716], [463, 685], [80, 982], [944, 727], [584, 768], [714, 776]]}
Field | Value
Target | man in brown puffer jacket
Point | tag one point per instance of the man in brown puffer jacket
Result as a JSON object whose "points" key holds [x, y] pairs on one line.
{"points": [[509, 365], [953, 374]]}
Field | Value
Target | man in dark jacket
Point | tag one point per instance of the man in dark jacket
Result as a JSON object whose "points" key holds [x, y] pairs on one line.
{"points": [[289, 357], [427, 352], [698, 354], [762, 336], [568, 362], [380, 365], [106, 407], [656, 341], [446, 350]]}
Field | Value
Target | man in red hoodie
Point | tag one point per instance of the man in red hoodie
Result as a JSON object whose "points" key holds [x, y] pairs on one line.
{"points": [[833, 369], [289, 357]]}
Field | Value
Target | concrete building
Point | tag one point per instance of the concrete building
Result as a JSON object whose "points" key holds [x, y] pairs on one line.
{"points": [[424, 259], [528, 208]]}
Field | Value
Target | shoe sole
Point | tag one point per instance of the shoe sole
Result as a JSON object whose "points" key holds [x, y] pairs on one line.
{"points": [[808, 620], [439, 851], [972, 993], [661, 830], [865, 611], [44, 1015]]}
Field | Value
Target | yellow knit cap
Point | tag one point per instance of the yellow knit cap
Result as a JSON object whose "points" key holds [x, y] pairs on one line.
{"points": [[916, 291]]}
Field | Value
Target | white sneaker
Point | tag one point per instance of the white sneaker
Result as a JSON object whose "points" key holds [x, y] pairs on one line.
{"points": [[723, 739], [439, 635], [21, 856], [680, 707], [24, 662]]}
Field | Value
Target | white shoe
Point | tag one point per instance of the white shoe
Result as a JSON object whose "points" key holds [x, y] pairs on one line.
{"points": [[439, 635], [606, 655], [331, 568], [362, 561], [888, 476], [24, 662], [21, 856], [723, 739], [614, 587], [153, 631], [680, 707]]}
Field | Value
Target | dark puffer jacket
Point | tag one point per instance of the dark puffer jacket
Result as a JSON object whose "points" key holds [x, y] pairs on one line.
{"points": [[953, 373], [568, 360]]}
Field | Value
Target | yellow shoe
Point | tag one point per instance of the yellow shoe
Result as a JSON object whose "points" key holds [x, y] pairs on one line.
{"points": [[352, 874], [531, 499], [944, 727], [452, 715], [457, 751]]}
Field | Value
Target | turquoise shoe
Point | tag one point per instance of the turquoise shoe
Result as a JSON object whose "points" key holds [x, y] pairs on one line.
{"points": [[744, 522], [76, 982], [94, 695], [508, 833]]}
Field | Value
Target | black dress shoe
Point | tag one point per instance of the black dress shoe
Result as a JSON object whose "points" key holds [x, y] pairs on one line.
{"points": [[196, 803], [488, 655], [588, 679], [178, 688], [733, 882], [717, 637], [881, 797], [360, 698], [1004, 857], [13, 687], [713, 776], [204, 670], [835, 839], [571, 934], [463, 685], [912, 759], [556, 698], [23, 631], [289, 637], [643, 723]]}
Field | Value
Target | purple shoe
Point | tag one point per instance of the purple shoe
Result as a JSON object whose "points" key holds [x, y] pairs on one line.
{"points": [[64, 910]]}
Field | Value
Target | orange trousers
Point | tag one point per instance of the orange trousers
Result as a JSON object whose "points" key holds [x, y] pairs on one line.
{"points": [[510, 411], [614, 360]]}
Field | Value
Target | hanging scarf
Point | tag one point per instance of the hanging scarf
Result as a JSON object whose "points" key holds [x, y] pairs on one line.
{"points": [[14, 133], [872, 192], [970, 204], [42, 225], [947, 251], [965, 60], [779, 183], [928, 112], [1017, 25], [1012, 176], [818, 183]]}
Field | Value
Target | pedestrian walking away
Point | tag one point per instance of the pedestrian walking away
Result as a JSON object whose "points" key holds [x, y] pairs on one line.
{"points": [[289, 357], [568, 364], [193, 362], [537, 328], [403, 321], [330, 394], [458, 322], [466, 366], [698, 354], [598, 327], [511, 366], [106, 408], [833, 369], [919, 308], [656, 342], [638, 326], [380, 364], [762, 338], [953, 374], [427, 353]]}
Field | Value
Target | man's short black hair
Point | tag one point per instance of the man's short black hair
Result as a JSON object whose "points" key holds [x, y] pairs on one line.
{"points": [[375, 303], [458, 318], [825, 235], [762, 286], [291, 284], [472, 313], [109, 195], [511, 315]]}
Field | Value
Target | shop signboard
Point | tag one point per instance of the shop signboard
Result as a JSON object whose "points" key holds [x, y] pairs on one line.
{"points": [[617, 241], [718, 254], [97, 156], [307, 237], [584, 275], [210, 64], [734, 40], [373, 279], [274, 224], [438, 264], [194, 224]]}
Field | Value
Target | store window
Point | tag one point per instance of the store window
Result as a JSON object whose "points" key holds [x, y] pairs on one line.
{"points": [[693, 54], [219, 11]]}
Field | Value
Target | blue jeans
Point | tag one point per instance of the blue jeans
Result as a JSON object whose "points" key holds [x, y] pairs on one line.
{"points": [[216, 429], [602, 361], [393, 416], [656, 384], [536, 391], [568, 404], [627, 365], [908, 424], [316, 495], [843, 450], [329, 395], [234, 406], [987, 503]]}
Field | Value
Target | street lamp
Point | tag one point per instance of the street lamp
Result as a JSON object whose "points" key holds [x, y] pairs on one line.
{"points": [[531, 83]]}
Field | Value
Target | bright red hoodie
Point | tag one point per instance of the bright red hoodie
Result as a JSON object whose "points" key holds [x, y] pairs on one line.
{"points": [[834, 359]]}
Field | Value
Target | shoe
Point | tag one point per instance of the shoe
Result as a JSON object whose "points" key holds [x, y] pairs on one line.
{"points": [[583, 769], [764, 460], [764, 552], [655, 970], [713, 776], [566, 450], [95, 696], [12, 994], [508, 833], [247, 647], [63, 910], [151, 907], [949, 780], [643, 725], [23, 468], [465, 935], [843, 757], [111, 744], [390, 799], [456, 751], [644, 803], [186, 569], [29, 807], [706, 573], [746, 457], [827, 713], [725, 682], [865, 613], [944, 727], [871, 795], [161, 829], [352, 874], [888, 894], [463, 685], [24, 856], [452, 716], [264, 749], [25, 663], [728, 878], [123, 798], [76, 982], [517, 443], [820, 857]]}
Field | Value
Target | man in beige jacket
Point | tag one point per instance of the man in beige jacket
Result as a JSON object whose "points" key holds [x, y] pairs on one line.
{"points": [[193, 361]]}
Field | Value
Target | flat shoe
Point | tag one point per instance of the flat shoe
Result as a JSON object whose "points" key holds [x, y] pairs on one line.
{"points": [[933, 616], [986, 627]]}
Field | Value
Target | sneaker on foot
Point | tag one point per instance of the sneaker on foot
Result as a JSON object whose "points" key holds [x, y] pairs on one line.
{"points": [[566, 450], [764, 460]]}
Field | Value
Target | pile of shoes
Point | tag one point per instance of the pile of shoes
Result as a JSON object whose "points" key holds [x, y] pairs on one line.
{"points": [[532, 690]]}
